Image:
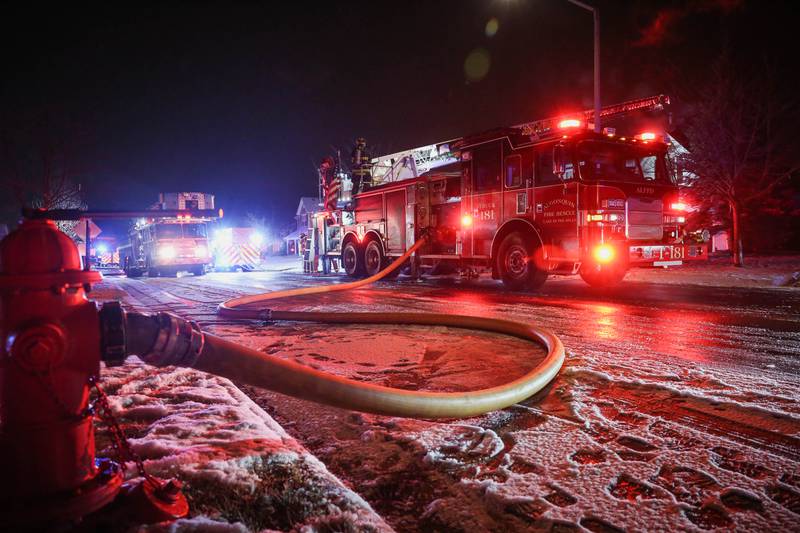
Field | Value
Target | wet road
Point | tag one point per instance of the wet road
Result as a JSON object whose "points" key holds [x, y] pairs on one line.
{"points": [[677, 407]]}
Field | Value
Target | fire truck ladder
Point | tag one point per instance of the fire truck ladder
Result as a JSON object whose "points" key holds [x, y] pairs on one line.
{"points": [[543, 127], [411, 163]]}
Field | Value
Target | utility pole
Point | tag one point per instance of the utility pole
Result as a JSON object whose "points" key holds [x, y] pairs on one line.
{"points": [[596, 16]]}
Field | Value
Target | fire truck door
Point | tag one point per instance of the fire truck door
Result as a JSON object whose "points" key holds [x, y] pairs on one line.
{"points": [[486, 196]]}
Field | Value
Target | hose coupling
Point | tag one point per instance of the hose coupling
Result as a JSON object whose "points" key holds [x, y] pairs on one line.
{"points": [[178, 342], [113, 349]]}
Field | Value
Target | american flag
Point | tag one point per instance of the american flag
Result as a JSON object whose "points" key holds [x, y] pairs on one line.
{"points": [[331, 182]]}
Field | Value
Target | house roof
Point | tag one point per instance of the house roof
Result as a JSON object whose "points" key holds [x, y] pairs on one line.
{"points": [[308, 204], [293, 236]]}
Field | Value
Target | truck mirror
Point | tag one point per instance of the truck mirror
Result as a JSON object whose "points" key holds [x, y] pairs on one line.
{"points": [[559, 162]]}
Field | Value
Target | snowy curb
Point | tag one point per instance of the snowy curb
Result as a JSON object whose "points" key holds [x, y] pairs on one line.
{"points": [[240, 469]]}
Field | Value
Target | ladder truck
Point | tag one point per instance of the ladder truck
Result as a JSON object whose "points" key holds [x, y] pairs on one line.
{"points": [[522, 203]]}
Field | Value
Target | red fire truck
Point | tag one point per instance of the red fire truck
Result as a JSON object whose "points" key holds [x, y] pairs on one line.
{"points": [[541, 198], [165, 245]]}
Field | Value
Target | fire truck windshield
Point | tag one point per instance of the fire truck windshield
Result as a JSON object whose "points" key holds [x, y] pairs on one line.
{"points": [[603, 161], [194, 230], [177, 231]]}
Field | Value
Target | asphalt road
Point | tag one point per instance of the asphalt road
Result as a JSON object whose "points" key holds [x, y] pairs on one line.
{"points": [[677, 407]]}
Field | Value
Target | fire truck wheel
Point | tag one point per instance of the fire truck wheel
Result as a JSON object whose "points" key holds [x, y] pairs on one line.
{"points": [[602, 276], [198, 270], [133, 273], [353, 260], [373, 258], [517, 267]]}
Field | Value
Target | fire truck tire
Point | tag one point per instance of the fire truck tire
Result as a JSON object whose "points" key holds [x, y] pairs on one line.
{"points": [[517, 268], [198, 270], [353, 260], [602, 276], [133, 273], [374, 261]]}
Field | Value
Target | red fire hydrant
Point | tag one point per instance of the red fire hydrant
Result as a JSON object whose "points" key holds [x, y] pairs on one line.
{"points": [[50, 353]]}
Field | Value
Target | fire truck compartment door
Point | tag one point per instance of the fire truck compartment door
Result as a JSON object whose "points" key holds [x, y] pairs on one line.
{"points": [[396, 220]]}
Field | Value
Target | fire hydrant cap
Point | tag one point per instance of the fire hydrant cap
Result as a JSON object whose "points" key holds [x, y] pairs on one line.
{"points": [[39, 251]]}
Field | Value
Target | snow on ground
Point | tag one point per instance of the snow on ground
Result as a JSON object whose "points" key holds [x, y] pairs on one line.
{"points": [[629, 437], [758, 271], [669, 415], [239, 467]]}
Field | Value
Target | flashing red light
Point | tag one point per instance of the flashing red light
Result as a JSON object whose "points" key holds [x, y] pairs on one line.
{"points": [[679, 206], [570, 123], [466, 221], [603, 253], [647, 136]]}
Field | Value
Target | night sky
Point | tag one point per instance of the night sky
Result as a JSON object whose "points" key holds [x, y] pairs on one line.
{"points": [[243, 101]]}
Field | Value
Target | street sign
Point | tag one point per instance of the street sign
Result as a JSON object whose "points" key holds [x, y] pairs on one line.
{"points": [[80, 229]]}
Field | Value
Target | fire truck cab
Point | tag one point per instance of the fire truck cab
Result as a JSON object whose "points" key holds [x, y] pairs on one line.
{"points": [[523, 205]]}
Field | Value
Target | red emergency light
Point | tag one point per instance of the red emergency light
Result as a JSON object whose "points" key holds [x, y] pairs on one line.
{"points": [[603, 253], [569, 123]]}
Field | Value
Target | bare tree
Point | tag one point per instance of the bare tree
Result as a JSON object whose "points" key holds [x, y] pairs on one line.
{"points": [[58, 191], [738, 148], [38, 166]]}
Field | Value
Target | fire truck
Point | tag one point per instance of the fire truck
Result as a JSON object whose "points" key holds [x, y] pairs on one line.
{"points": [[237, 249], [174, 239], [524, 202]]}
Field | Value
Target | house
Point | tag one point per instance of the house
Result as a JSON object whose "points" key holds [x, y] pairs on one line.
{"points": [[305, 209]]}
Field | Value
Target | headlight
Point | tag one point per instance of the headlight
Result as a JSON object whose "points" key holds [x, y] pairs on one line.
{"points": [[200, 251], [166, 252]]}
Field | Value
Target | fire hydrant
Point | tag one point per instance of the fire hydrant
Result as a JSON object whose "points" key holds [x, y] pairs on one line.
{"points": [[50, 352]]}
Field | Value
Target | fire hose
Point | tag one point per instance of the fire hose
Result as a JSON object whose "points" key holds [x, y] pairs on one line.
{"points": [[218, 356]]}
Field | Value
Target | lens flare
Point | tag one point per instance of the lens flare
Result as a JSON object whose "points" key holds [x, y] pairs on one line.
{"points": [[477, 64]]}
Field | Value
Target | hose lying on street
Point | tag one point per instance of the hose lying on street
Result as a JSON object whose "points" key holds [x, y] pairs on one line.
{"points": [[203, 351]]}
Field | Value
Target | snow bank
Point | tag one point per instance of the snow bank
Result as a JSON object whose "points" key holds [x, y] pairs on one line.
{"points": [[240, 469]]}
